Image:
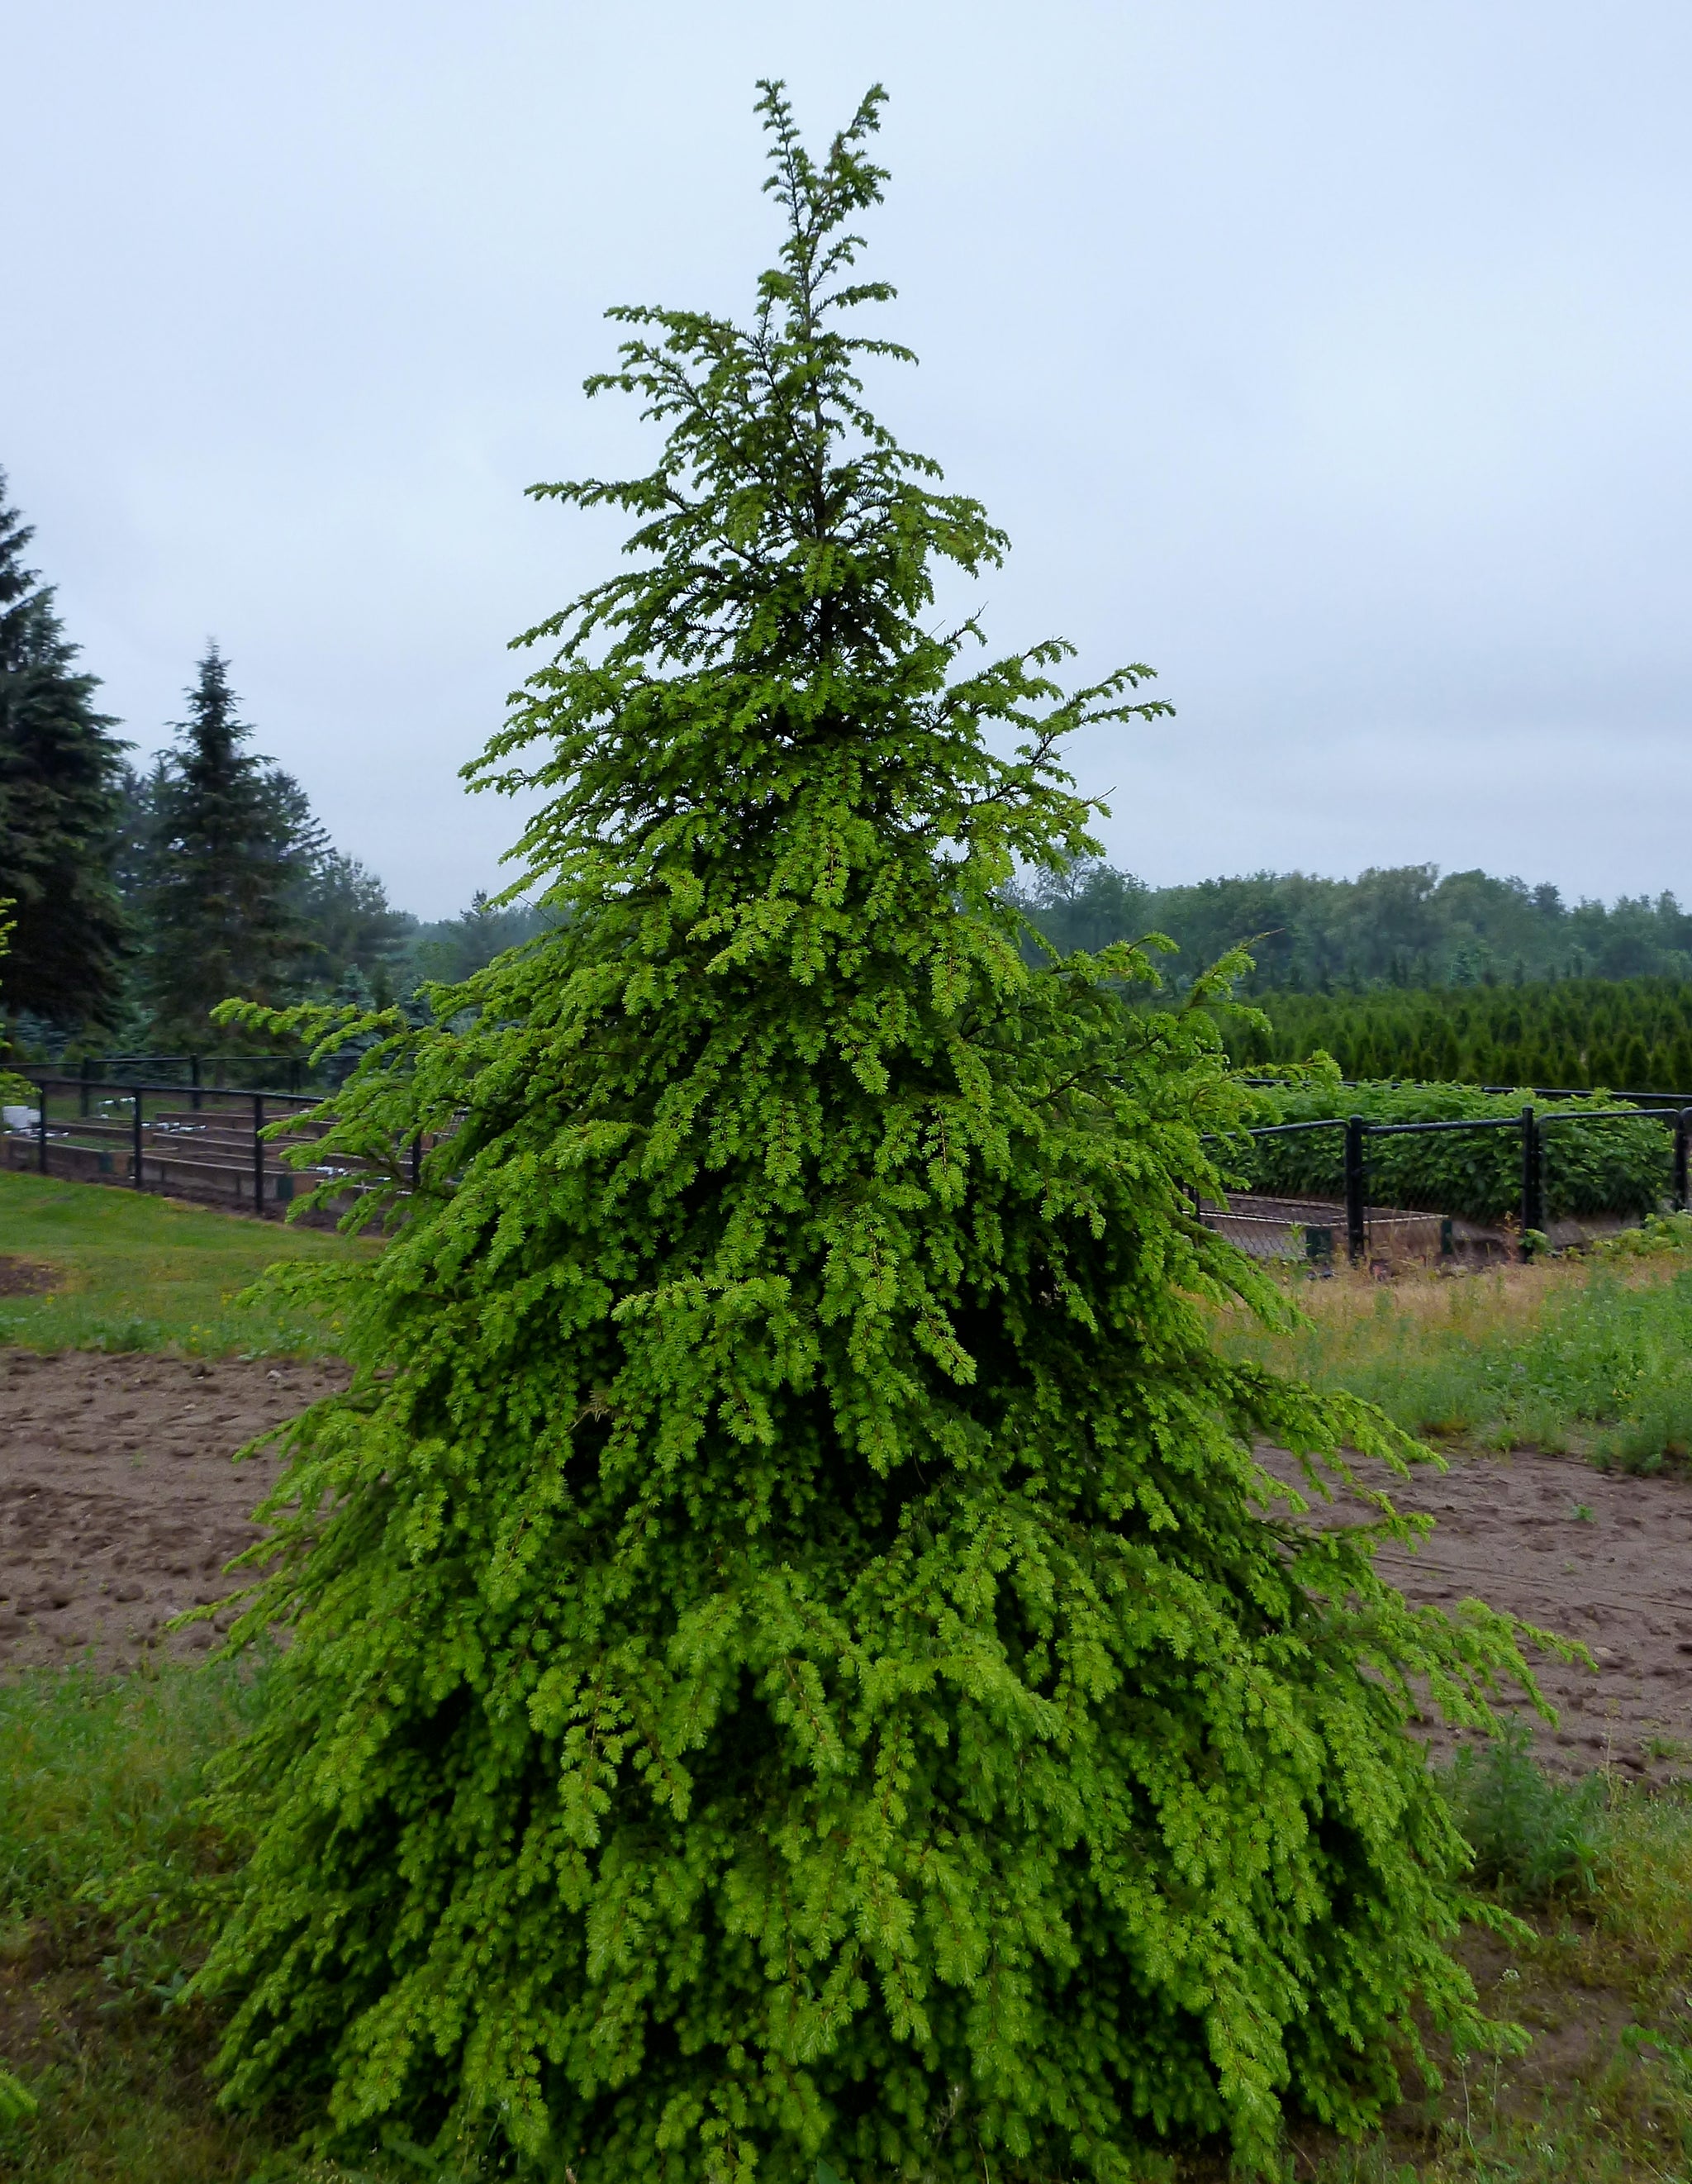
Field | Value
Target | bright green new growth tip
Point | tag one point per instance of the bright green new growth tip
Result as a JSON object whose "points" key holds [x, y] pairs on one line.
{"points": [[791, 1659]]}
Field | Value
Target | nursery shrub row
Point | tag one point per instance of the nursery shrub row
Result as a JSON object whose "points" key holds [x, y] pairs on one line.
{"points": [[1629, 1035]]}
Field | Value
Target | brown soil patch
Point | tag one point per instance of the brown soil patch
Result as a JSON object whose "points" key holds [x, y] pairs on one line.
{"points": [[27, 1277], [119, 1503], [120, 1508], [1510, 1530]]}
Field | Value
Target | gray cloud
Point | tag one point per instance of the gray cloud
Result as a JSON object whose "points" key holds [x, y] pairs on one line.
{"points": [[1332, 359]]}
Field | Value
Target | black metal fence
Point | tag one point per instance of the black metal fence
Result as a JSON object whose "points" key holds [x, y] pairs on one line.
{"points": [[1531, 1126], [257, 1110], [252, 1113]]}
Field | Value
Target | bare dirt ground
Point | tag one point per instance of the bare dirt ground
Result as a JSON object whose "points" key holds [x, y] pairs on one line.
{"points": [[119, 1503], [120, 1508], [1597, 1555]]}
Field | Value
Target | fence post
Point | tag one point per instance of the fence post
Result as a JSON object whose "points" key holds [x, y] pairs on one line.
{"points": [[41, 1126], [135, 1140], [1356, 1241], [259, 1154], [194, 1081], [417, 1164], [1532, 1192], [87, 1078], [1683, 1133]]}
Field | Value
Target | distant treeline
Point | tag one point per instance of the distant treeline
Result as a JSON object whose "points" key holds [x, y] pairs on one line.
{"points": [[1405, 927], [1627, 1035]]}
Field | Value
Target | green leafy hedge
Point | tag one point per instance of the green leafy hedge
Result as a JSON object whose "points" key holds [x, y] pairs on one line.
{"points": [[1620, 1167]]}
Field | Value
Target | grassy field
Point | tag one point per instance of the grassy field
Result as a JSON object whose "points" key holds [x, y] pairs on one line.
{"points": [[100, 1784], [125, 1271], [1586, 1357]]}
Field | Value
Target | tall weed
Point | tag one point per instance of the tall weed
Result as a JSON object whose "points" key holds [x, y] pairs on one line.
{"points": [[1533, 1838]]}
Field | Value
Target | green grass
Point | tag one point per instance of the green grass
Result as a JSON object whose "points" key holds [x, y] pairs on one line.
{"points": [[1590, 1357], [1603, 1873], [141, 1273], [100, 1850], [108, 1872]]}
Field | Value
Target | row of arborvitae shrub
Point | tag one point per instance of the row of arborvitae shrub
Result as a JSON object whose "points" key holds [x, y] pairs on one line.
{"points": [[1623, 1166], [1635, 1033]]}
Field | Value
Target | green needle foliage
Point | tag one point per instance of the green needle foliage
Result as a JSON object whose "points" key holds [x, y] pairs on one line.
{"points": [[60, 776], [791, 1656]]}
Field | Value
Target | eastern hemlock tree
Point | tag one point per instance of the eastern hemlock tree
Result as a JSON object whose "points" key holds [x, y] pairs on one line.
{"points": [[792, 1654], [230, 845], [61, 773]]}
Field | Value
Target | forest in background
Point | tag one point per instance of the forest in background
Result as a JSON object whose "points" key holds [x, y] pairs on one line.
{"points": [[142, 895], [1405, 973], [1406, 927], [137, 896]]}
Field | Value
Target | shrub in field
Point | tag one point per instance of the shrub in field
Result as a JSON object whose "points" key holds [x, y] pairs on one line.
{"points": [[1659, 1239], [1532, 1836], [1620, 1167], [790, 1661]]}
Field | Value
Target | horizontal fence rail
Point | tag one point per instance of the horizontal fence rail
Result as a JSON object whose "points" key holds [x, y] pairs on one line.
{"points": [[199, 1073], [136, 1094]]}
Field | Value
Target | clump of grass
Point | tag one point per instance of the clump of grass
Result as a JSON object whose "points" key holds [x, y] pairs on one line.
{"points": [[1606, 1869], [1643, 1891], [101, 1850], [106, 1867], [138, 1273]]}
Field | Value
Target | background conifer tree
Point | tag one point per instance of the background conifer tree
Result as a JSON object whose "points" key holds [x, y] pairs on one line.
{"points": [[60, 796], [227, 849], [790, 1654]]}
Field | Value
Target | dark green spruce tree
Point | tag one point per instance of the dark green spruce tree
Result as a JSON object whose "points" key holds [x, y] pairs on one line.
{"points": [[226, 857], [61, 774], [793, 1658]]}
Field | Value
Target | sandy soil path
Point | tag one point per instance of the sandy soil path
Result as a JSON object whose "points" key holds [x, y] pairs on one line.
{"points": [[1596, 1555], [120, 1507], [119, 1503]]}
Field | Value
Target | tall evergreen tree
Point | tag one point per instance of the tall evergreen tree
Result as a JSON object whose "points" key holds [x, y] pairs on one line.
{"points": [[61, 773], [229, 852], [792, 1655], [351, 928]]}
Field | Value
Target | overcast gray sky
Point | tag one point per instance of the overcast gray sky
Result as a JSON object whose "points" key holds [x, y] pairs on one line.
{"points": [[1332, 358]]}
